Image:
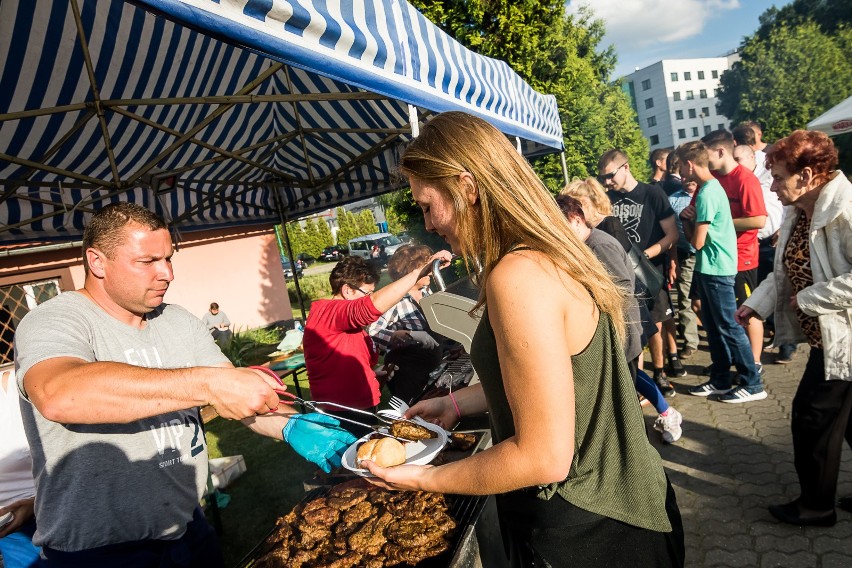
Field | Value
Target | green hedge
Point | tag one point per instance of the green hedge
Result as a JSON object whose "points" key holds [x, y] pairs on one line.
{"points": [[313, 287]]}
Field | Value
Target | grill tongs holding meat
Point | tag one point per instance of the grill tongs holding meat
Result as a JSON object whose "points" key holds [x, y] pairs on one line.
{"points": [[314, 406]]}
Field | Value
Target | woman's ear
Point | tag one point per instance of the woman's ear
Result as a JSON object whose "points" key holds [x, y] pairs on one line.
{"points": [[806, 175], [468, 182]]}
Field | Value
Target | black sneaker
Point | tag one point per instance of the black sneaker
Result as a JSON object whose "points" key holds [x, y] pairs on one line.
{"points": [[675, 369], [665, 386]]}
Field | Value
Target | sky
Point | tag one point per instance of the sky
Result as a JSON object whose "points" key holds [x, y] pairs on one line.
{"points": [[646, 31]]}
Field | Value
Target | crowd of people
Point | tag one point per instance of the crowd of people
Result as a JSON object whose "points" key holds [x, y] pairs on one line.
{"points": [[110, 377]]}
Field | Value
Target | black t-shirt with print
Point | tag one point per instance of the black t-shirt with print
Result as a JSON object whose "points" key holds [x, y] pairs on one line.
{"points": [[640, 212]]}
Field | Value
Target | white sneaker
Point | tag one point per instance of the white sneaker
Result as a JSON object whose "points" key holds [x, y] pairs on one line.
{"points": [[669, 425]]}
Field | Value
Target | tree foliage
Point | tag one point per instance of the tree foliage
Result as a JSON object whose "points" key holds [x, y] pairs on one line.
{"points": [[788, 79], [829, 15], [556, 54], [792, 70], [366, 222]]}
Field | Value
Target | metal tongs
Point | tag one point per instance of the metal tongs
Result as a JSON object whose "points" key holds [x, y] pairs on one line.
{"points": [[313, 405]]}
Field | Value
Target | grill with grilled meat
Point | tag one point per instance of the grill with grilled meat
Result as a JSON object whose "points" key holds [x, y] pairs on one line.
{"points": [[359, 525]]}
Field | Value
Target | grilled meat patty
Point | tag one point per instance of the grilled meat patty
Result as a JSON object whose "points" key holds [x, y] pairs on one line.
{"points": [[411, 431], [359, 525]]}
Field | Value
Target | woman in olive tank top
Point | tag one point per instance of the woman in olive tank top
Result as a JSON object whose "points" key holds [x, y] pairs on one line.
{"points": [[577, 481]]}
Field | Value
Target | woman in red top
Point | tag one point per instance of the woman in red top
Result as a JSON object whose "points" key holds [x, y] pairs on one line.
{"points": [[339, 354]]}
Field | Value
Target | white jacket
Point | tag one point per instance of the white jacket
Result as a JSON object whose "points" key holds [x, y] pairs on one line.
{"points": [[830, 296]]}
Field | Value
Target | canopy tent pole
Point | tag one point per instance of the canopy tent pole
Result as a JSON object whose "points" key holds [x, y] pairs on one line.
{"points": [[280, 207], [413, 121], [564, 166]]}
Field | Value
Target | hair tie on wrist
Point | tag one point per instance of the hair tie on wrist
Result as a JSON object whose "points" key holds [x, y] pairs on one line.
{"points": [[455, 404]]}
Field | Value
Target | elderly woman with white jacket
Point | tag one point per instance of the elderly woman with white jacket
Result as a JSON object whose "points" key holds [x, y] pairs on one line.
{"points": [[810, 292]]}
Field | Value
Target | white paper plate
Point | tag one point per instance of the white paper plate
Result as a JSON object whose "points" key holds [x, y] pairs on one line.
{"points": [[416, 453]]}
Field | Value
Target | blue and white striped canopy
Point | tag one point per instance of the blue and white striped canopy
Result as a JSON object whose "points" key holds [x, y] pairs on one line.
{"points": [[220, 113]]}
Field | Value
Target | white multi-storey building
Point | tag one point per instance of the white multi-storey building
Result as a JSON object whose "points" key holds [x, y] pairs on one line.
{"points": [[675, 99]]}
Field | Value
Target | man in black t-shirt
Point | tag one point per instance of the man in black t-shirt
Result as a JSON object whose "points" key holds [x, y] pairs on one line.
{"points": [[649, 220]]}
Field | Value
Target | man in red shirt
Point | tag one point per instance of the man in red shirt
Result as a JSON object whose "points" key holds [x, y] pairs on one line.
{"points": [[749, 212], [339, 355]]}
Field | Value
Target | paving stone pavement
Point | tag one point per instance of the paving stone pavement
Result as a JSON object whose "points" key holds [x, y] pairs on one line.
{"points": [[733, 461]]}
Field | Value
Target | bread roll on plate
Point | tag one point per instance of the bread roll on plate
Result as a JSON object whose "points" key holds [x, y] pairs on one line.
{"points": [[385, 452]]}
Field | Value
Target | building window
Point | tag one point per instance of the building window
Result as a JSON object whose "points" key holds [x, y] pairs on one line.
{"points": [[702, 93], [715, 92], [706, 129], [678, 115], [695, 131], [646, 84], [687, 75], [715, 74], [16, 300], [701, 74], [681, 133], [676, 96], [691, 113], [655, 140], [674, 77], [652, 121], [721, 127], [705, 111], [690, 95], [649, 103]]}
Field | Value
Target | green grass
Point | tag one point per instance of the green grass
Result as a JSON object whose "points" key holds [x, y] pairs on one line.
{"points": [[270, 487]]}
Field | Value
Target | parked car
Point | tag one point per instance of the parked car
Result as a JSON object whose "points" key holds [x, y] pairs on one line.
{"points": [[290, 267], [306, 259], [334, 253], [385, 242]]}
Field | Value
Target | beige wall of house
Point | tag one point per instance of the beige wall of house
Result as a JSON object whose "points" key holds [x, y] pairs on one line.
{"points": [[238, 268]]}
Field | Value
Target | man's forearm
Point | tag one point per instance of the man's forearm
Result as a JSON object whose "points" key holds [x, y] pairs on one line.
{"points": [[270, 424], [660, 246], [749, 223], [75, 392]]}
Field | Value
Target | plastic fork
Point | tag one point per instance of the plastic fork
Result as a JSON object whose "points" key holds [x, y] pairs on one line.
{"points": [[398, 404]]}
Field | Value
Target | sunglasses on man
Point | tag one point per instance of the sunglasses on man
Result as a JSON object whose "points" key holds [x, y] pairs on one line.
{"points": [[603, 178]]}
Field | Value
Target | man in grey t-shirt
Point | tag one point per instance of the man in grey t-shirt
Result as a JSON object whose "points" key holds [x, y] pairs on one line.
{"points": [[111, 379]]}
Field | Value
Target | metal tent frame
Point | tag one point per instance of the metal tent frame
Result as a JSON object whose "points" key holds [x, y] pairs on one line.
{"points": [[214, 116]]}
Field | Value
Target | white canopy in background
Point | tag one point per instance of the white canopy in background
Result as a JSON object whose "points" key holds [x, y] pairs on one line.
{"points": [[834, 121], [232, 112]]}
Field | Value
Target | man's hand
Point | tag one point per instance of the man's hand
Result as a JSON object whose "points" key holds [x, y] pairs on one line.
{"points": [[688, 213], [22, 511], [240, 393], [318, 438]]}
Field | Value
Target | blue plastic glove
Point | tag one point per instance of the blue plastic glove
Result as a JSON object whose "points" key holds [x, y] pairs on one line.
{"points": [[318, 438]]}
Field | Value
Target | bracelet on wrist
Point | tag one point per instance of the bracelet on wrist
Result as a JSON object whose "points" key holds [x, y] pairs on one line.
{"points": [[455, 404]]}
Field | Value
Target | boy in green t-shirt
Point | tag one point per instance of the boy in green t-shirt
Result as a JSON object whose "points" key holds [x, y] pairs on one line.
{"points": [[710, 228]]}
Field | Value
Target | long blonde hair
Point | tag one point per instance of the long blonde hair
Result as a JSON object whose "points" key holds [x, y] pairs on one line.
{"points": [[514, 207]]}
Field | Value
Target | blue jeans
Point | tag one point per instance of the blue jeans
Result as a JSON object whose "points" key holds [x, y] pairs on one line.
{"points": [[727, 340], [18, 550]]}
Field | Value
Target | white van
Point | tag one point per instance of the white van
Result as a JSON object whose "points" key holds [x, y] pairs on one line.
{"points": [[363, 246]]}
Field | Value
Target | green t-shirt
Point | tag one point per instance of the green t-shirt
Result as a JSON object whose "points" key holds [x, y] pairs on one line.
{"points": [[718, 256]]}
